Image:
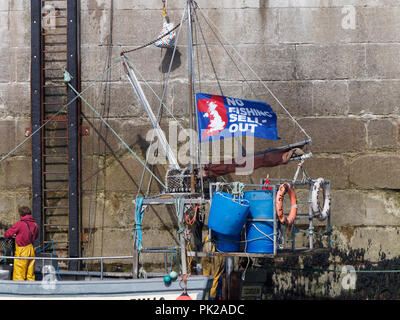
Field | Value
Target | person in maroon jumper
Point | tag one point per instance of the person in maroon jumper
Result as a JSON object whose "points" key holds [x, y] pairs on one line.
{"points": [[25, 232]]}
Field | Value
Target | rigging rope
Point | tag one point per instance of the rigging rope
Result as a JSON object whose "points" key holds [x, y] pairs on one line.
{"points": [[152, 90], [58, 112], [163, 93], [106, 103], [116, 134], [240, 145], [152, 42], [252, 70], [209, 55]]}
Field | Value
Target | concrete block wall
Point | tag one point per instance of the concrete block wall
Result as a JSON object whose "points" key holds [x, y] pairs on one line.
{"points": [[341, 81], [15, 188]]}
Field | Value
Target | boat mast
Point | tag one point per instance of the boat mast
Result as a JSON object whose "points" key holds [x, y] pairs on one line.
{"points": [[190, 75], [190, 90]]}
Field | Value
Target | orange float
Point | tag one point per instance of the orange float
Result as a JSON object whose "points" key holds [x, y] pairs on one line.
{"points": [[283, 189]]}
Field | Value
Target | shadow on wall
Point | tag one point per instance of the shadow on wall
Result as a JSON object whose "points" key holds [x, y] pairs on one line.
{"points": [[320, 276], [167, 61]]}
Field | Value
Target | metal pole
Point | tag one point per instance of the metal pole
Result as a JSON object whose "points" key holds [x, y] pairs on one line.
{"points": [[190, 77], [101, 268], [73, 134], [310, 217], [182, 241], [165, 263], [135, 260], [143, 100], [229, 263], [328, 185], [36, 115], [275, 222]]}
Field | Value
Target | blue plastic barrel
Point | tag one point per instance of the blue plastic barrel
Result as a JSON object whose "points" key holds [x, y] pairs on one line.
{"points": [[228, 215], [261, 204], [256, 237], [226, 243], [261, 207]]}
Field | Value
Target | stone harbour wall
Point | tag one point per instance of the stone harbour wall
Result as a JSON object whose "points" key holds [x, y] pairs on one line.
{"points": [[334, 64]]}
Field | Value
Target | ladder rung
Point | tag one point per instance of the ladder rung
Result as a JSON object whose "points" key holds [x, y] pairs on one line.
{"points": [[54, 86], [65, 207], [55, 163], [57, 215], [56, 180], [49, 138], [52, 113], [55, 172], [60, 146], [55, 155], [53, 81], [58, 117], [45, 69], [53, 78], [54, 225], [54, 103], [53, 34], [55, 94], [57, 120], [56, 60], [54, 129], [55, 43], [55, 190], [57, 51], [55, 198]]}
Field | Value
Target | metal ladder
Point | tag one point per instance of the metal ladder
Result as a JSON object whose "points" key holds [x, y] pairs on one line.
{"points": [[55, 142]]}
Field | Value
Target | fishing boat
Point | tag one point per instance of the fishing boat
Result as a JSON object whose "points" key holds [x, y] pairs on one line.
{"points": [[199, 186]]}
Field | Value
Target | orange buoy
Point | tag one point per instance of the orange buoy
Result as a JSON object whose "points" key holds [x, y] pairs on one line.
{"points": [[283, 189], [184, 296]]}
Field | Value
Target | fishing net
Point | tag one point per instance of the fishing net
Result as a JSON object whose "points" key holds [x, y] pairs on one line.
{"points": [[7, 247]]}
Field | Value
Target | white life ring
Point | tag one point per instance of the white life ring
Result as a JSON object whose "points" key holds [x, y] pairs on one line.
{"points": [[316, 209]]}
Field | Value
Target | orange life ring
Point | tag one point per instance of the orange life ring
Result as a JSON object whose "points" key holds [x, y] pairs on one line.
{"points": [[286, 187]]}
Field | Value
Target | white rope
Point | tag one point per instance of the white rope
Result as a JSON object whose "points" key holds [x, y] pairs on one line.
{"points": [[257, 76], [266, 236]]}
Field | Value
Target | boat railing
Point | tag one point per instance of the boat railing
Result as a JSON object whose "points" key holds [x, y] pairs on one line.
{"points": [[102, 259]]}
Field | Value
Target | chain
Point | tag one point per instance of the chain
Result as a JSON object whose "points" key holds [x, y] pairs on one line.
{"points": [[154, 41]]}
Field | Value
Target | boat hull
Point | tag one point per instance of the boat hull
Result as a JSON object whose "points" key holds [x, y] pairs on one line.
{"points": [[198, 288]]}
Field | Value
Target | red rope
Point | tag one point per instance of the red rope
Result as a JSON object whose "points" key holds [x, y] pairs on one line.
{"points": [[191, 221]]}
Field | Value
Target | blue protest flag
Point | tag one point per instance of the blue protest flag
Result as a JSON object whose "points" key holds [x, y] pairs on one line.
{"points": [[221, 117]]}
